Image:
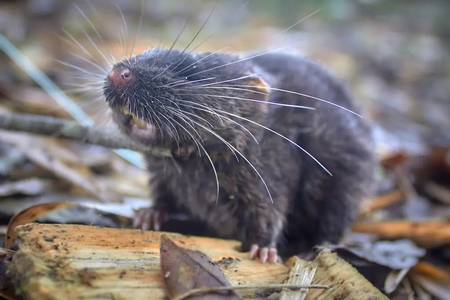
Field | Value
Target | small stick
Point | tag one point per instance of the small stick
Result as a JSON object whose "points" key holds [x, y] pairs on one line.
{"points": [[97, 135], [245, 287], [383, 201]]}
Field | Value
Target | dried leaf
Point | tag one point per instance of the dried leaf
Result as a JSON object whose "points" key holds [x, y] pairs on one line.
{"points": [[29, 215], [393, 160], [396, 255], [393, 279], [184, 270]]}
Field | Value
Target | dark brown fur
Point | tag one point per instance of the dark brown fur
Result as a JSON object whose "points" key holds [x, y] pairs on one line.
{"points": [[309, 206]]}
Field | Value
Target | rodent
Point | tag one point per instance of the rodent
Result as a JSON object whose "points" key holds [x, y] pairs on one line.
{"points": [[198, 103]]}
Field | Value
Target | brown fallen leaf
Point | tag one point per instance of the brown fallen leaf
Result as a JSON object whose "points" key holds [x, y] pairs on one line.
{"points": [[29, 215], [184, 270], [393, 160]]}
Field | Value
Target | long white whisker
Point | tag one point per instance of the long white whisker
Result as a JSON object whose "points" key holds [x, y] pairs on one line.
{"points": [[89, 21], [307, 96], [197, 61], [254, 100], [209, 158], [200, 30], [96, 32], [296, 23], [278, 134], [240, 60], [98, 50], [81, 46], [79, 69], [193, 39], [242, 155], [184, 82], [188, 121], [208, 109], [89, 62], [198, 117], [228, 80], [139, 28]]}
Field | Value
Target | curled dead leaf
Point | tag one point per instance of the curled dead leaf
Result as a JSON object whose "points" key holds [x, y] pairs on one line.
{"points": [[29, 215]]}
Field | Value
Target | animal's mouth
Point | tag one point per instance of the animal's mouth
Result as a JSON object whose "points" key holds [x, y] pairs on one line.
{"points": [[134, 120], [138, 127]]}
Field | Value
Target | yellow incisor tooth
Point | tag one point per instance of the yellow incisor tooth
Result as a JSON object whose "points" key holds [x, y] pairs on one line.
{"points": [[141, 124]]}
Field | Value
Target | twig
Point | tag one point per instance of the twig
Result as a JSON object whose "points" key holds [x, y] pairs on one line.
{"points": [[247, 287], [4, 251], [103, 136], [383, 201]]}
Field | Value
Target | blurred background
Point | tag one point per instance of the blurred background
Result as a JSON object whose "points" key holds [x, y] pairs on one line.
{"points": [[393, 55]]}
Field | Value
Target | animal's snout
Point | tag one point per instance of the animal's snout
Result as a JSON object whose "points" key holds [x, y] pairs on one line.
{"points": [[119, 75]]}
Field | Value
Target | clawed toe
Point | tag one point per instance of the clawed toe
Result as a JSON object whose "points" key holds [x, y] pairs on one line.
{"points": [[149, 218], [264, 254]]}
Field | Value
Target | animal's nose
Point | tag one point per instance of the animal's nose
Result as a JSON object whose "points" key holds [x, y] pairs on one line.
{"points": [[119, 75]]}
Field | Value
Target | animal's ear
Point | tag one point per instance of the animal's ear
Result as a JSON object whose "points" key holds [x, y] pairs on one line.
{"points": [[259, 85]]}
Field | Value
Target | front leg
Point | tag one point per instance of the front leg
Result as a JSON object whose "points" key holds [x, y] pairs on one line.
{"points": [[153, 217], [262, 232]]}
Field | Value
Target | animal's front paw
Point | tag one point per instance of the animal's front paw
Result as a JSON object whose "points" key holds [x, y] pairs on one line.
{"points": [[264, 254], [150, 218]]}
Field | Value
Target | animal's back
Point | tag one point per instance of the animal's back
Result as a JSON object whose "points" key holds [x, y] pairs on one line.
{"points": [[323, 205]]}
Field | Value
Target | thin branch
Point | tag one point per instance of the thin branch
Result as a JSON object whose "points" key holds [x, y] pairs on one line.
{"points": [[60, 128]]}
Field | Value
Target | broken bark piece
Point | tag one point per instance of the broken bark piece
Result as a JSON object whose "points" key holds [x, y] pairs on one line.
{"points": [[185, 270], [343, 280], [299, 274]]}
